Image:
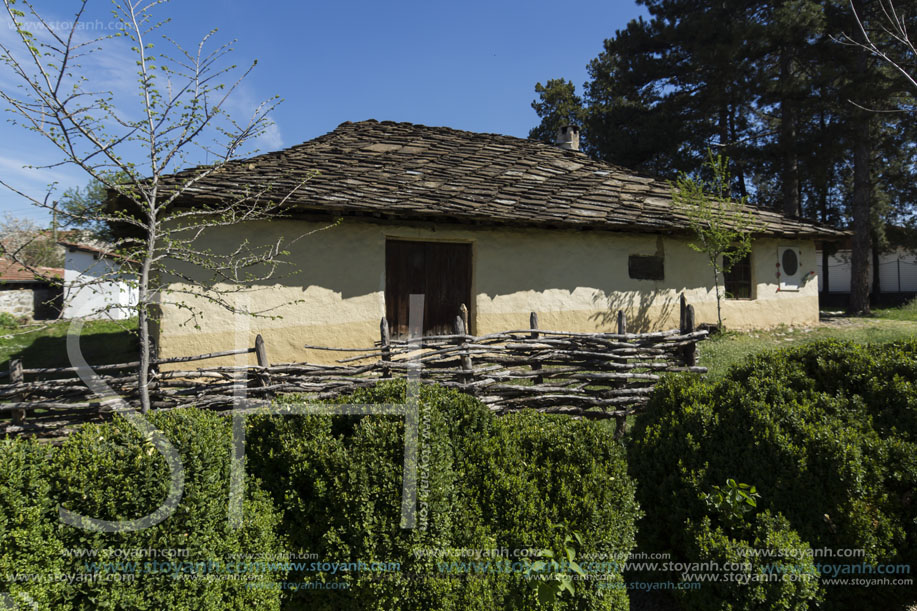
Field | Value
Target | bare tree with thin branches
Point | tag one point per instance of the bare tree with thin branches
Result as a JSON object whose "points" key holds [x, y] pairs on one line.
{"points": [[178, 115], [897, 48]]}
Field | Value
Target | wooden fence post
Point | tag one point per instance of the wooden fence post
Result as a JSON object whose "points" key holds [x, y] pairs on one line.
{"points": [[683, 303], [620, 426], [17, 377], [386, 347], [463, 312], [690, 351], [622, 323], [460, 329], [533, 324], [261, 353]]}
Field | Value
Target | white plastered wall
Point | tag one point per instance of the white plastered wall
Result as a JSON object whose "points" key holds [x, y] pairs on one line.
{"points": [[575, 280]]}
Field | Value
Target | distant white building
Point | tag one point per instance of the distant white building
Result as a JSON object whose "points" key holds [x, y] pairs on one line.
{"points": [[95, 284], [897, 272]]}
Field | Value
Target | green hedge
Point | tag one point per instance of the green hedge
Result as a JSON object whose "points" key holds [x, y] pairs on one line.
{"points": [[522, 481], [828, 435], [727, 550], [110, 472], [30, 541], [548, 484]]}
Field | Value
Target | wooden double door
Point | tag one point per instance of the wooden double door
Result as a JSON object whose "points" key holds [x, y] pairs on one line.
{"points": [[440, 271]]}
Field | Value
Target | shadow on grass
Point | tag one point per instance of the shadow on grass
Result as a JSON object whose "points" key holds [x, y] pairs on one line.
{"points": [[99, 348]]}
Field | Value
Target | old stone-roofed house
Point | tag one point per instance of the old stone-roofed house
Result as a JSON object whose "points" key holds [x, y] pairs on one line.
{"points": [[502, 224]]}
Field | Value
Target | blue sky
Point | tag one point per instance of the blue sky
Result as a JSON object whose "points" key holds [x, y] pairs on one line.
{"points": [[469, 65]]}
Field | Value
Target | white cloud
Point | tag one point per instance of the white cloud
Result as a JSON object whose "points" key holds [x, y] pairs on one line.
{"points": [[271, 139], [112, 70], [242, 106], [35, 183], [15, 169]]}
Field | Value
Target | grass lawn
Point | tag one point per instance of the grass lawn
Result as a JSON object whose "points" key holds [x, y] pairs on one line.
{"points": [[906, 312], [45, 345], [888, 325]]}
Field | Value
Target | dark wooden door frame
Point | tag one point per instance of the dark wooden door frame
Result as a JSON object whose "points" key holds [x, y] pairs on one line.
{"points": [[431, 254]]}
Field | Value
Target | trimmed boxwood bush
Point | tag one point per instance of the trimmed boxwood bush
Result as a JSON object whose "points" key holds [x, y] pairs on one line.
{"points": [[758, 583], [828, 435], [110, 472], [30, 542], [522, 481], [338, 480]]}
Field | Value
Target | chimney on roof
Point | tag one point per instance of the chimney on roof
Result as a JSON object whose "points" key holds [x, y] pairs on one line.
{"points": [[568, 137]]}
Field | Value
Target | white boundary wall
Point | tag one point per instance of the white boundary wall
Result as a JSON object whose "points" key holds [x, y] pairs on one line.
{"points": [[897, 271]]}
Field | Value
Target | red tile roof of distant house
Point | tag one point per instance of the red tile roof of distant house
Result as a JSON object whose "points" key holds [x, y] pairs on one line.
{"points": [[13, 272]]}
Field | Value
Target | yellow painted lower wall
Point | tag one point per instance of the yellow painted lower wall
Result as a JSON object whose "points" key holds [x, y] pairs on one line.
{"points": [[575, 280]]}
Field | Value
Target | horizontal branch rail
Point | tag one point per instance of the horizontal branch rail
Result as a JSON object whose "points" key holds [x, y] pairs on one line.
{"points": [[590, 375]]}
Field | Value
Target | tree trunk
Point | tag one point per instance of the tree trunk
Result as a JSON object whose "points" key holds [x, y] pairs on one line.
{"points": [[876, 285], [740, 174], [862, 230], [827, 248], [716, 286], [790, 174], [862, 204], [143, 386], [143, 313]]}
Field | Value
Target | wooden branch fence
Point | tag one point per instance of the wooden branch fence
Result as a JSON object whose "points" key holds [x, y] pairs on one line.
{"points": [[591, 375]]}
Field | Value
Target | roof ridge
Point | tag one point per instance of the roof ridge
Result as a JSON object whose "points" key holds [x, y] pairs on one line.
{"points": [[412, 171]]}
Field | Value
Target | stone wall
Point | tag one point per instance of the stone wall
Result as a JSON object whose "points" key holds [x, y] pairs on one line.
{"points": [[18, 302]]}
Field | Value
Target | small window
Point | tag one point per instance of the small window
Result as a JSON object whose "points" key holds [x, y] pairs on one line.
{"points": [[789, 265], [737, 281], [646, 267]]}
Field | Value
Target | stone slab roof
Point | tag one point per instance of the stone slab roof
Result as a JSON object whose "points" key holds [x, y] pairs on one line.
{"points": [[403, 171]]}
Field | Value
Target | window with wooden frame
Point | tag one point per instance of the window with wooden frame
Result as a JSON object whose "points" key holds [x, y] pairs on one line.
{"points": [[440, 271], [737, 281]]}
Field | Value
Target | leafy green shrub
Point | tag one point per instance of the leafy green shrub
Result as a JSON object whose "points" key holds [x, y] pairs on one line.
{"points": [[111, 472], [339, 483], [30, 537], [526, 481], [523, 481], [828, 435], [8, 321], [750, 580], [536, 471]]}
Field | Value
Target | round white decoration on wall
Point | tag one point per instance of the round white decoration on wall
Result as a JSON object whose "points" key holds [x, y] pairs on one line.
{"points": [[789, 266]]}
